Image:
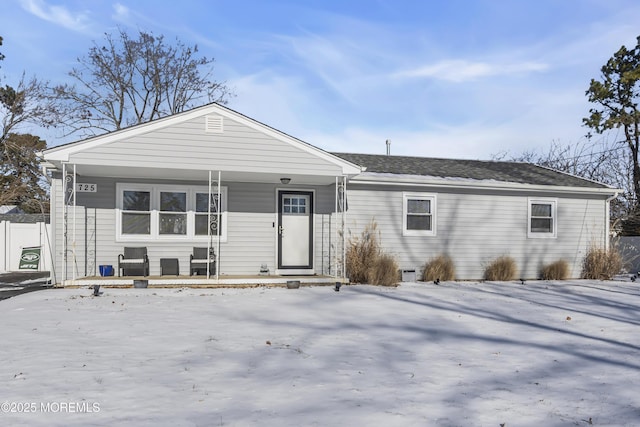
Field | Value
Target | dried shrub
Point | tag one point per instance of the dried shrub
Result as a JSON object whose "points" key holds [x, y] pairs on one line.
{"points": [[501, 269], [439, 268], [558, 270], [385, 271], [601, 264], [365, 261], [362, 252]]}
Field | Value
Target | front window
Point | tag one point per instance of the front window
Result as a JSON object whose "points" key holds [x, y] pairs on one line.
{"points": [[542, 218], [169, 212], [418, 216], [202, 214], [136, 212], [173, 212]]}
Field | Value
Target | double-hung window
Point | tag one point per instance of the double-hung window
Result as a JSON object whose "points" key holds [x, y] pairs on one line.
{"points": [[147, 212], [136, 212], [173, 213], [202, 216], [542, 220], [418, 214]]}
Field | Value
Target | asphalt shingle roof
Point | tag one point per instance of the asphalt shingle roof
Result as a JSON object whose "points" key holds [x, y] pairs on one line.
{"points": [[22, 218], [516, 172]]}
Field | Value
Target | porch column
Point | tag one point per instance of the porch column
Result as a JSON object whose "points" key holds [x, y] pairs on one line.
{"points": [[344, 221], [64, 222], [341, 218], [68, 197], [73, 192], [218, 205]]}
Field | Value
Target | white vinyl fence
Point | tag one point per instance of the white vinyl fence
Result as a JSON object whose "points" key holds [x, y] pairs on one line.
{"points": [[17, 236], [629, 248]]}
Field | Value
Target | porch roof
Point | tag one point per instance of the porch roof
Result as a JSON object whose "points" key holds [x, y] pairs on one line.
{"points": [[188, 145]]}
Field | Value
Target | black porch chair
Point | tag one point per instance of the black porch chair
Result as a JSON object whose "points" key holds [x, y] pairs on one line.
{"points": [[134, 262], [198, 262]]}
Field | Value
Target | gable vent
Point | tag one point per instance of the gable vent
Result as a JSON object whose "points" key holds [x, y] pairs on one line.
{"points": [[214, 124]]}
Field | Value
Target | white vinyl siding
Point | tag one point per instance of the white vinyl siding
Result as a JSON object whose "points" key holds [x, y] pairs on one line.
{"points": [[187, 146], [474, 229]]}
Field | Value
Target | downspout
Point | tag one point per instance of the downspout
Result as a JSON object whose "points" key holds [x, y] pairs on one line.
{"points": [[607, 216]]}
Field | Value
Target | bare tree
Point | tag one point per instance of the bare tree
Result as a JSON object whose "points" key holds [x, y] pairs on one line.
{"points": [[20, 178], [126, 81], [1, 55], [25, 104], [603, 161]]}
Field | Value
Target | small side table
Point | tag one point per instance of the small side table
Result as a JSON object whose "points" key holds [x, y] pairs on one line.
{"points": [[169, 267]]}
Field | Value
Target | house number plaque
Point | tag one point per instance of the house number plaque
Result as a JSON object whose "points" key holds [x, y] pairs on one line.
{"points": [[86, 188]]}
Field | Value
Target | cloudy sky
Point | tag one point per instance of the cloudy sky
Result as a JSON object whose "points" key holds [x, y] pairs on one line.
{"points": [[439, 78]]}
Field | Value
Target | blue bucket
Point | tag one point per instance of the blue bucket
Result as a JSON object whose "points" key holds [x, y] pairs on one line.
{"points": [[106, 270]]}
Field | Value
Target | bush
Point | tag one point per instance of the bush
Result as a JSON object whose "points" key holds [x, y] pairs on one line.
{"points": [[385, 271], [362, 253], [501, 269], [365, 261], [558, 270], [601, 264], [439, 268]]}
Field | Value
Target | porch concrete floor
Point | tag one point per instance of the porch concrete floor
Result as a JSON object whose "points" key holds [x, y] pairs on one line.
{"points": [[201, 281]]}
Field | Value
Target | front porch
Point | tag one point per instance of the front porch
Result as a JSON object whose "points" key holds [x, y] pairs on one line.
{"points": [[203, 282], [254, 198]]}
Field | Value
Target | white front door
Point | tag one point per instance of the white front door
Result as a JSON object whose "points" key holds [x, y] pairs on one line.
{"points": [[295, 231]]}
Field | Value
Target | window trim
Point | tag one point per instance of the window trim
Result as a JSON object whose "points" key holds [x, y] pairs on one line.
{"points": [[554, 217], [155, 190], [406, 196]]}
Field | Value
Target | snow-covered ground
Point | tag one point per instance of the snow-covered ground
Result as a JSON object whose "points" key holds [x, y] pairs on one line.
{"points": [[457, 354]]}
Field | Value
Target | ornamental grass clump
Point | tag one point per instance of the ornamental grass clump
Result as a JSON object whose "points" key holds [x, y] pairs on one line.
{"points": [[440, 268], [385, 271], [558, 270], [365, 261], [501, 269], [601, 264]]}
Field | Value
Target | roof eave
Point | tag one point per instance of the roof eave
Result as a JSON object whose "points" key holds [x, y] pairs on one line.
{"points": [[405, 180], [62, 154]]}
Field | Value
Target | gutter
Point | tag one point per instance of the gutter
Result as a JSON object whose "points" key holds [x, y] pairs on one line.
{"points": [[44, 167], [607, 216], [479, 184]]}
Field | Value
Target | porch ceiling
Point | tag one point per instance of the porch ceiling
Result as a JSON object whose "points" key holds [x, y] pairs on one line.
{"points": [[198, 175]]}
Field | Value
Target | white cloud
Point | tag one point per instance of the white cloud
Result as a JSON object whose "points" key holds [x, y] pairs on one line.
{"points": [[533, 121], [58, 15], [121, 12], [336, 63], [459, 70], [274, 100]]}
